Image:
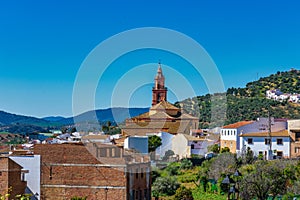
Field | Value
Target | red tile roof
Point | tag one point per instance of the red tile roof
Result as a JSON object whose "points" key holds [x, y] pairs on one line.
{"points": [[282, 133], [238, 124]]}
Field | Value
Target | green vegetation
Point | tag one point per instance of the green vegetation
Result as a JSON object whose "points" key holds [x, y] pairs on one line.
{"points": [[258, 179], [214, 148], [183, 193], [78, 198], [7, 195], [153, 142], [110, 129], [247, 103]]}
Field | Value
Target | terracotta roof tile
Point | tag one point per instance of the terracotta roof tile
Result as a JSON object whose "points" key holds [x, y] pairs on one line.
{"points": [[141, 128], [164, 105], [282, 133], [193, 138], [238, 124]]}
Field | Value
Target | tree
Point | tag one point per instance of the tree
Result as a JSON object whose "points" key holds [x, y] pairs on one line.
{"points": [[267, 177], [183, 193], [64, 129], [154, 174], [168, 154], [249, 156], [165, 186], [73, 130], [153, 142], [225, 149], [186, 164], [214, 148], [225, 163], [173, 168]]}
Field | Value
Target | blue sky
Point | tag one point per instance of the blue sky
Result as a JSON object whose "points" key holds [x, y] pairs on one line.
{"points": [[43, 44]]}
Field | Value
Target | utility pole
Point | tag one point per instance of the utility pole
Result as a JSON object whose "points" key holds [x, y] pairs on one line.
{"points": [[269, 129]]}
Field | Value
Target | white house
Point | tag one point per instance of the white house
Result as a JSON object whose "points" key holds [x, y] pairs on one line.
{"points": [[295, 98], [229, 135], [137, 143], [186, 145], [166, 143], [284, 97], [259, 142]]}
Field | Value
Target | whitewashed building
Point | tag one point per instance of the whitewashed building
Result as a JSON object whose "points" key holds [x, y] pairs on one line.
{"points": [[261, 142], [184, 146], [229, 135], [137, 143], [166, 143]]}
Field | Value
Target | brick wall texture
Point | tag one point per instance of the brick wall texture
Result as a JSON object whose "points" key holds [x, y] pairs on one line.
{"points": [[69, 170]]}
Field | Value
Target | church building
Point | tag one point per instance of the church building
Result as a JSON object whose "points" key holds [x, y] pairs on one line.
{"points": [[162, 116]]}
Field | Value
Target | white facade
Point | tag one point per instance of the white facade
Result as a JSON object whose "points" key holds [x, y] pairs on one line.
{"points": [[295, 98], [137, 143], [166, 143], [32, 163], [260, 125], [279, 96], [259, 145], [185, 145]]}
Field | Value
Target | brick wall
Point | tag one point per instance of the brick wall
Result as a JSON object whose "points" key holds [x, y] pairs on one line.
{"points": [[10, 177], [69, 170]]}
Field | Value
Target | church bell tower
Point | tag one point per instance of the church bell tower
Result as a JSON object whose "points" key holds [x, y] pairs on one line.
{"points": [[159, 91]]}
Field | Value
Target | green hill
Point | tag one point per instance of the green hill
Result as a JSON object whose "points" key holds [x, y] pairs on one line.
{"points": [[247, 103], [286, 82]]}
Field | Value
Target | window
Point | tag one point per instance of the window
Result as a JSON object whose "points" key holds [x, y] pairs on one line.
{"points": [[279, 154], [145, 194], [250, 141], [192, 146], [22, 176], [137, 173], [279, 141], [267, 141], [113, 152], [297, 149], [136, 194], [142, 172], [297, 135], [260, 153]]}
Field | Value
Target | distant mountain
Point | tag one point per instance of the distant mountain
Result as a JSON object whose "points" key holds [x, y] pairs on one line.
{"points": [[24, 124], [53, 118], [103, 115], [13, 119]]}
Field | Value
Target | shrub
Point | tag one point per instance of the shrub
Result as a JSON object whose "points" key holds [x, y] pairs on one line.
{"points": [[183, 193], [186, 164], [165, 186], [173, 169]]}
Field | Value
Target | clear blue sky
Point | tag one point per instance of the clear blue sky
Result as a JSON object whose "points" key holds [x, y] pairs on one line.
{"points": [[43, 43]]}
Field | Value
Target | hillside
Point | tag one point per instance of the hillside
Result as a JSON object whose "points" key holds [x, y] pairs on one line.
{"points": [[248, 103], [286, 82], [10, 119], [13, 123]]}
